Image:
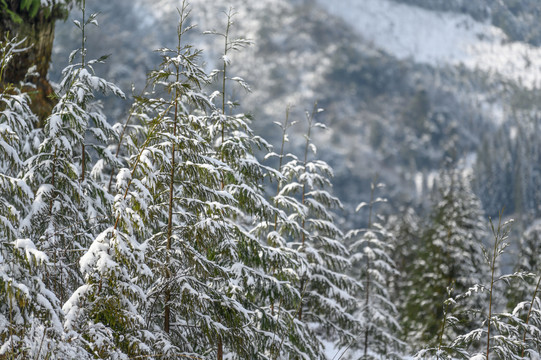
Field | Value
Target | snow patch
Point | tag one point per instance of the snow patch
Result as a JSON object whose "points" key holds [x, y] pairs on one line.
{"points": [[440, 38]]}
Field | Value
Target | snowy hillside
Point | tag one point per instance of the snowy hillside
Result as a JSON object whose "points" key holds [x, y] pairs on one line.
{"points": [[438, 38], [396, 96]]}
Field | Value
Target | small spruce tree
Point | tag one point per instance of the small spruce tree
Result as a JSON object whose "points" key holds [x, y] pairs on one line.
{"points": [[450, 255], [372, 265], [326, 291], [30, 315]]}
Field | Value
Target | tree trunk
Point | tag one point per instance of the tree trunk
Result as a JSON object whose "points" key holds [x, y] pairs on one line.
{"points": [[39, 34], [220, 355]]}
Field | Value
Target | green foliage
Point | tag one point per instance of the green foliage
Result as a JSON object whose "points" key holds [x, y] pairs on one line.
{"points": [[29, 9], [372, 266], [29, 310], [327, 292], [501, 334], [30, 6], [12, 14], [448, 255]]}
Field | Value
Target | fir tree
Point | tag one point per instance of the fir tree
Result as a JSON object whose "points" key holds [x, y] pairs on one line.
{"points": [[449, 256], [407, 227], [290, 336], [263, 260], [374, 268], [69, 213], [202, 252], [69, 204], [326, 292], [523, 296], [499, 333], [507, 335], [30, 315]]}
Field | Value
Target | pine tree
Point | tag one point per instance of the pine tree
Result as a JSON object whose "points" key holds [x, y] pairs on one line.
{"points": [[406, 226], [201, 250], [450, 256], [291, 338], [500, 333], [30, 316], [523, 296], [69, 204], [71, 208], [496, 333], [186, 228], [107, 311], [527, 261], [373, 267], [267, 263], [326, 292], [16, 123], [529, 312]]}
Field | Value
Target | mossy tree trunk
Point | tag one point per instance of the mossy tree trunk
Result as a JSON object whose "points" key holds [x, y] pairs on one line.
{"points": [[38, 32]]}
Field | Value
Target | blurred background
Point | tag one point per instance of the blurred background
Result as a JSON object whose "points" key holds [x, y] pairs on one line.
{"points": [[409, 87]]}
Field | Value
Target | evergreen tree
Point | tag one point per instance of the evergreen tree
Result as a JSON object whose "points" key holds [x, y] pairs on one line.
{"points": [[30, 316], [529, 312], [500, 333], [190, 309], [406, 227], [70, 205], [70, 208], [16, 118], [203, 182], [523, 296], [527, 261], [374, 268], [326, 292], [296, 340], [267, 263], [449, 256]]}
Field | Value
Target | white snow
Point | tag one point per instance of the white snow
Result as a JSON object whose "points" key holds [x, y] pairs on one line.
{"points": [[30, 249], [439, 38]]}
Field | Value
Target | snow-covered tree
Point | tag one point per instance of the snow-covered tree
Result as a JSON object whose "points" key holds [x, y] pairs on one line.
{"points": [[499, 333], [326, 291], [450, 255], [529, 312], [494, 331], [523, 296], [69, 203], [70, 208], [373, 266], [267, 267], [186, 210], [206, 263], [30, 316], [406, 227], [526, 261], [290, 336], [16, 121]]}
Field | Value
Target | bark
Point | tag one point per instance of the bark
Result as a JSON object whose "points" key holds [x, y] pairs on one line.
{"points": [[39, 34]]}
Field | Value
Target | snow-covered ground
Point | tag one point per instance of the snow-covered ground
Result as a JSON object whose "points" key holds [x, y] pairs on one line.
{"points": [[439, 38], [334, 353]]}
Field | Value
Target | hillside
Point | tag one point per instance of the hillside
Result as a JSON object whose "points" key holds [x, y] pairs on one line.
{"points": [[401, 99]]}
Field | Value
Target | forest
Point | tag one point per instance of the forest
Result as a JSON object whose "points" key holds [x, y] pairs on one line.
{"points": [[178, 225]]}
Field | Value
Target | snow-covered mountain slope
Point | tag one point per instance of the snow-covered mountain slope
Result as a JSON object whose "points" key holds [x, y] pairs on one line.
{"points": [[437, 38], [390, 108]]}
